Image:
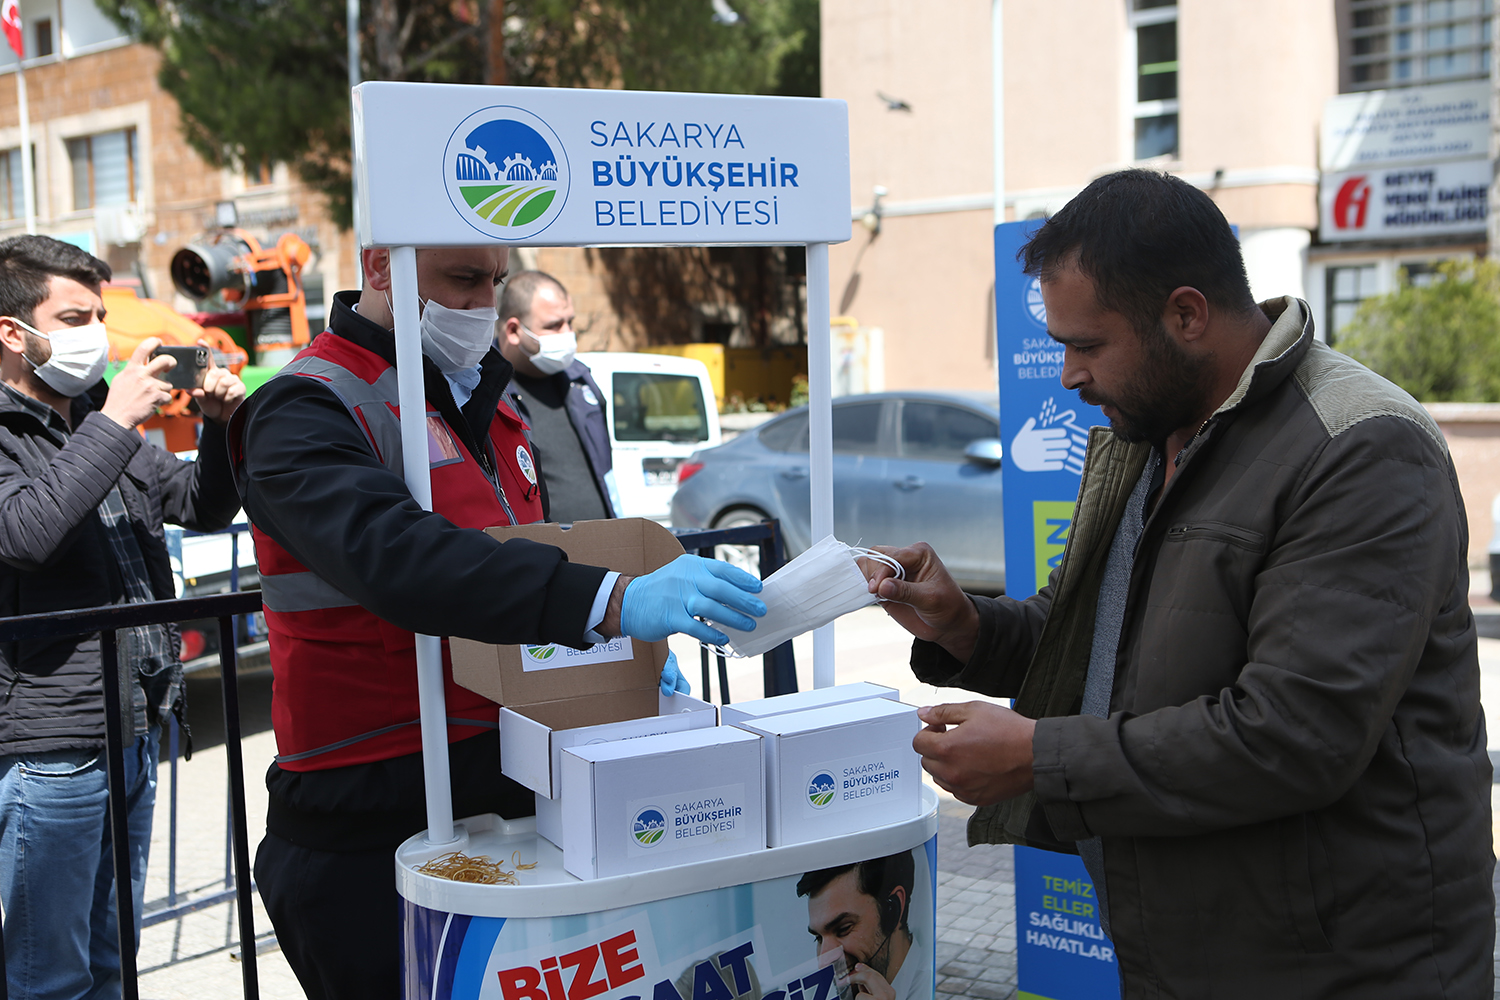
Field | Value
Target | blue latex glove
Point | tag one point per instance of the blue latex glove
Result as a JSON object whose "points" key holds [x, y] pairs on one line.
{"points": [[674, 597], [672, 681]]}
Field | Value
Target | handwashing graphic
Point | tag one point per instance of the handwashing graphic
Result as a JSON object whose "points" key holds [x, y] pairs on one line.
{"points": [[1050, 441]]}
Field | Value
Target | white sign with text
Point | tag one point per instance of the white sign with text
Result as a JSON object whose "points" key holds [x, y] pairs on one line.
{"points": [[446, 165], [1400, 202], [1407, 125]]}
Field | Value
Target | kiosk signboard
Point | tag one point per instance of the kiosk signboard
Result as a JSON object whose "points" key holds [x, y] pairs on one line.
{"points": [[1062, 953], [440, 165]]}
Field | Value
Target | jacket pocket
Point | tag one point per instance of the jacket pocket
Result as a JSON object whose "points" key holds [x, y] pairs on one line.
{"points": [[1302, 901], [1218, 531]]}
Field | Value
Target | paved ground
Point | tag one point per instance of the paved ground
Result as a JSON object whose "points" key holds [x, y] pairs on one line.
{"points": [[195, 957]]}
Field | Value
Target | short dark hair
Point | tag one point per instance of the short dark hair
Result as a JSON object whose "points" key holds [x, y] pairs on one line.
{"points": [[878, 879], [28, 264], [1139, 235], [520, 290]]}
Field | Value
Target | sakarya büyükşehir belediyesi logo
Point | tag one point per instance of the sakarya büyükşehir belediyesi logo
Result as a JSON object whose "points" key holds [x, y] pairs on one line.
{"points": [[820, 789], [506, 172], [649, 826]]}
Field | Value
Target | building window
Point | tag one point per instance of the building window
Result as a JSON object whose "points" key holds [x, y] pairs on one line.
{"points": [[258, 174], [104, 169], [1408, 42], [1347, 288], [43, 29], [1154, 25], [12, 192]]}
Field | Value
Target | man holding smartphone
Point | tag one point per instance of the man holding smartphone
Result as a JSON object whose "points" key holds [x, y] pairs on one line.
{"points": [[83, 497]]}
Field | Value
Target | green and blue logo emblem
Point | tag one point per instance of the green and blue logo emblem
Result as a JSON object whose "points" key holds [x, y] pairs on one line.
{"points": [[649, 826], [541, 653], [506, 172], [820, 790]]}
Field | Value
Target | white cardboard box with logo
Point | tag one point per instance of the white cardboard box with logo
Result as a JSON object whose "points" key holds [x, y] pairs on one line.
{"points": [[638, 805], [839, 769], [750, 711], [555, 697]]}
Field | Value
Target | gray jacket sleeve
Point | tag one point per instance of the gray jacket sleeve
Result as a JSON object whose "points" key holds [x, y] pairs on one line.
{"points": [[39, 513], [1008, 634], [1366, 555]]}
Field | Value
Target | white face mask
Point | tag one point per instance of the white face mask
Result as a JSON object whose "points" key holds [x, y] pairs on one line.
{"points": [[812, 590], [79, 354], [556, 351], [455, 339]]}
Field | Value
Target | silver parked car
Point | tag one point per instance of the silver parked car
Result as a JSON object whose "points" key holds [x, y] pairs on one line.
{"points": [[907, 467]]}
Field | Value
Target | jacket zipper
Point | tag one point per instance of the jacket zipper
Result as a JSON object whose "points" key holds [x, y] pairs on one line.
{"points": [[494, 479]]}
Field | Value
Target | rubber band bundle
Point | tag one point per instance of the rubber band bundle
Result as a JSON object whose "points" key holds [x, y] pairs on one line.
{"points": [[457, 866]]}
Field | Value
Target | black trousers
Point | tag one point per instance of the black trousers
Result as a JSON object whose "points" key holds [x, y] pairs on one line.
{"points": [[337, 918]]}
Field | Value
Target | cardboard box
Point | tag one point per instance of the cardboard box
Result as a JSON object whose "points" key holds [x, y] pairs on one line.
{"points": [[532, 754], [749, 711], [839, 769], [638, 805], [555, 697]]}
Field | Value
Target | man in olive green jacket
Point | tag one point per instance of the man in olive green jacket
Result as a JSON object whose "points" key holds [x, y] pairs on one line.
{"points": [[1249, 694]]}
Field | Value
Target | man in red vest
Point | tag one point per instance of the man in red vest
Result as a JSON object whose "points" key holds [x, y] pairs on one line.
{"points": [[351, 567]]}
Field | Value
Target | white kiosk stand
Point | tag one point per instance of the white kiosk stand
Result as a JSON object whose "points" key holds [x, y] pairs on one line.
{"points": [[440, 166]]}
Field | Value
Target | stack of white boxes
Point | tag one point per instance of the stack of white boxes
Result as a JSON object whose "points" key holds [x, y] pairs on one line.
{"points": [[840, 769]]}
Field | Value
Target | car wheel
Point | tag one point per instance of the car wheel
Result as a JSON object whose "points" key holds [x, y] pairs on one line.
{"points": [[746, 557]]}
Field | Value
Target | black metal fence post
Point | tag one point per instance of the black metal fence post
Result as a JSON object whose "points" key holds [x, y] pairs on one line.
{"points": [[119, 820], [229, 677]]}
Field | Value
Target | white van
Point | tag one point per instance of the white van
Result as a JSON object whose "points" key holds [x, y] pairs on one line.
{"points": [[659, 409]]}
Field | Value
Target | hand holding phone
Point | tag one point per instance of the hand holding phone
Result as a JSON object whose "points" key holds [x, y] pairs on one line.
{"points": [[191, 365]]}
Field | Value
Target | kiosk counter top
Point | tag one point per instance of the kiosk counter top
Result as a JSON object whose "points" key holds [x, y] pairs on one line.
{"points": [[547, 890]]}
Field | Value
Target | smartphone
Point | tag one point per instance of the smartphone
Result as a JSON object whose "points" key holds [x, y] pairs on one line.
{"points": [[192, 362]]}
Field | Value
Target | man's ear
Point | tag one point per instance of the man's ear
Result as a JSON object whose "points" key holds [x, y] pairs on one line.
{"points": [[12, 337], [1186, 314], [510, 331], [377, 266]]}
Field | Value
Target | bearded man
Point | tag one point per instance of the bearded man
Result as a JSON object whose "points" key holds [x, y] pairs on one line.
{"points": [[1248, 696]]}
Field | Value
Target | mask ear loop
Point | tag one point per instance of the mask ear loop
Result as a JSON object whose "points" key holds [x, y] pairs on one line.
{"points": [[860, 552]]}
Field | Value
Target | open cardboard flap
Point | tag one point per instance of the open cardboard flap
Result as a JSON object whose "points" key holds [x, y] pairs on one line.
{"points": [[517, 676], [553, 696]]}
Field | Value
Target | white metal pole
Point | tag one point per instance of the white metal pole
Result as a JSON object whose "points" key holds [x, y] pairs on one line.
{"points": [[997, 98], [28, 183], [820, 431], [413, 400]]}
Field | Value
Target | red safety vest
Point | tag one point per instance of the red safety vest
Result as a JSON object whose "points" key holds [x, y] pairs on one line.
{"points": [[345, 687]]}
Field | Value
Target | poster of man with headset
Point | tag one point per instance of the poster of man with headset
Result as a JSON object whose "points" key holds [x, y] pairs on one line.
{"points": [[865, 909]]}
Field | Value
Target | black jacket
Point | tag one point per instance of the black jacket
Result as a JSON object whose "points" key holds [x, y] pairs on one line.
{"points": [[585, 404], [55, 556], [310, 480]]}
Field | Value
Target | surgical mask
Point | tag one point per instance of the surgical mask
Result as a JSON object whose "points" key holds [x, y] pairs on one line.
{"points": [[812, 590], [455, 339], [556, 351], [79, 354]]}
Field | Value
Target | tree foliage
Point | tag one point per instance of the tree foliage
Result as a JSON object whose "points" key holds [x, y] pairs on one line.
{"points": [[264, 81], [1439, 341]]}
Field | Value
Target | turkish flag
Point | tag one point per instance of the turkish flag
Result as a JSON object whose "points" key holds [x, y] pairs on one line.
{"points": [[10, 20]]}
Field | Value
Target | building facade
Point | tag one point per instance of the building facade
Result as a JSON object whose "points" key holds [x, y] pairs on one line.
{"points": [[113, 172], [1231, 95]]}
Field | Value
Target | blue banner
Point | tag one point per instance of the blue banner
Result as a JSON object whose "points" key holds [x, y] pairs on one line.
{"points": [[1044, 426], [1062, 954]]}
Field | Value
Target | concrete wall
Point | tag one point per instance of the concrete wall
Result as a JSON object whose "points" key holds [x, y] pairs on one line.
{"points": [[1250, 101], [1473, 433]]}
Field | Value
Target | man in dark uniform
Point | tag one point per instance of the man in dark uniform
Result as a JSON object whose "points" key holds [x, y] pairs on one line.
{"points": [[558, 397]]}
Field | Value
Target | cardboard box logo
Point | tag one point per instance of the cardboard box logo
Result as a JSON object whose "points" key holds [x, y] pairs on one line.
{"points": [[649, 826], [821, 790], [553, 656]]}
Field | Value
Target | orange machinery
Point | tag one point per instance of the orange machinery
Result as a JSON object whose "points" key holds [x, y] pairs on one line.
{"points": [[131, 319], [259, 280]]}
